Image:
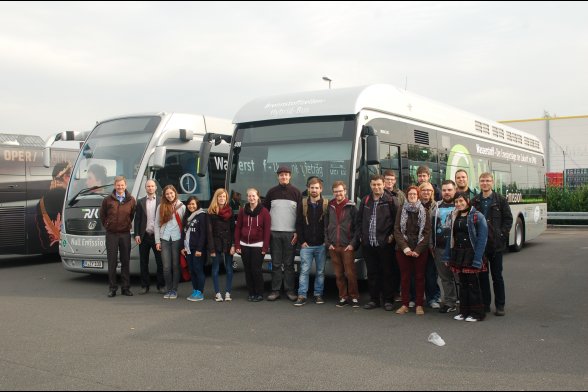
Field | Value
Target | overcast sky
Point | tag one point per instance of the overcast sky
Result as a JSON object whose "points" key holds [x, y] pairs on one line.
{"points": [[63, 66]]}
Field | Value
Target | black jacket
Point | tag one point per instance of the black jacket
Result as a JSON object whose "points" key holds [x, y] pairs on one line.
{"points": [[499, 220], [385, 218], [222, 233], [311, 228], [140, 225]]}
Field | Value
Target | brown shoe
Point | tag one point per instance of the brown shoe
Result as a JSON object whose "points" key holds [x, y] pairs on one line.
{"points": [[420, 311], [273, 296], [402, 310]]}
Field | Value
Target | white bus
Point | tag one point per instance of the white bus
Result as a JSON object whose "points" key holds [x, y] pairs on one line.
{"points": [[159, 146], [349, 134]]}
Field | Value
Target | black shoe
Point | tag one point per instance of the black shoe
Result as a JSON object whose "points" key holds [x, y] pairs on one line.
{"points": [[250, 298], [300, 301], [112, 293], [342, 303], [126, 292], [161, 290], [499, 311], [355, 303], [144, 290], [371, 305], [447, 309], [388, 307], [257, 298]]}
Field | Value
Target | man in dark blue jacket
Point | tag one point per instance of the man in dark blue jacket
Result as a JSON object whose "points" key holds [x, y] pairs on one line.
{"points": [[499, 217]]}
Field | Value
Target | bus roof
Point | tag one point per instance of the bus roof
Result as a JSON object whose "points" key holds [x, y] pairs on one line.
{"points": [[201, 124], [382, 98], [9, 139]]}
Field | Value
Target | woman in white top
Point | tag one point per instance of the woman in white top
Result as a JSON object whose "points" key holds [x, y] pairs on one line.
{"points": [[168, 238]]}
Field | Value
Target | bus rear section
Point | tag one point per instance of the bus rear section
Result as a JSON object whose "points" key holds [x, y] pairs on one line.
{"points": [[33, 178]]}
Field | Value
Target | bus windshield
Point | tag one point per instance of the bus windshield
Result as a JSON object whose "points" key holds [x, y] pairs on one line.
{"points": [[114, 148], [321, 147]]}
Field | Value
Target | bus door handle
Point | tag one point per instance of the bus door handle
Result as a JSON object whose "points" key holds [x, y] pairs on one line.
{"points": [[12, 186]]}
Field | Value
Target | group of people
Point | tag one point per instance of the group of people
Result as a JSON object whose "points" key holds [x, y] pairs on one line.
{"points": [[409, 240]]}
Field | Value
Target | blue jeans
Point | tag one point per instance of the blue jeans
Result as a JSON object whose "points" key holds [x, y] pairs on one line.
{"points": [[228, 259], [319, 254], [170, 258], [196, 265]]}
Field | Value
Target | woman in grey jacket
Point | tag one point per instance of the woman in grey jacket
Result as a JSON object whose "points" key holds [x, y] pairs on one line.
{"points": [[168, 238]]}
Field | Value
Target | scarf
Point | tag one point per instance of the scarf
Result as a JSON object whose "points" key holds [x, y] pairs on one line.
{"points": [[225, 213], [417, 208]]}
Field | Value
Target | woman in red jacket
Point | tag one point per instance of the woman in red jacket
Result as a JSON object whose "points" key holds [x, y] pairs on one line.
{"points": [[252, 237]]}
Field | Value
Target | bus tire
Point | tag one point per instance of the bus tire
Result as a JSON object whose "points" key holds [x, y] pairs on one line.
{"points": [[519, 236]]}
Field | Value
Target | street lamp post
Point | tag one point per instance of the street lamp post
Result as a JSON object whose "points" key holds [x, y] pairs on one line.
{"points": [[327, 80]]}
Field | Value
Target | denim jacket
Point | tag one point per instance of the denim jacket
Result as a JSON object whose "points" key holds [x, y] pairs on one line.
{"points": [[478, 233]]}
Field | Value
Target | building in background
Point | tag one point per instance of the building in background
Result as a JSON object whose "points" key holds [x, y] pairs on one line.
{"points": [[565, 140]]}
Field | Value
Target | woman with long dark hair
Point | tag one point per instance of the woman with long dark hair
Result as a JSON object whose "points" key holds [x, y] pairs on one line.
{"points": [[168, 238], [195, 240], [465, 255]]}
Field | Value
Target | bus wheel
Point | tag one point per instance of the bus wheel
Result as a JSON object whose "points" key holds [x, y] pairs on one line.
{"points": [[519, 236]]}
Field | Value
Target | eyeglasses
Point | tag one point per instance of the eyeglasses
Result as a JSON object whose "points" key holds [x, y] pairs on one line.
{"points": [[427, 190]]}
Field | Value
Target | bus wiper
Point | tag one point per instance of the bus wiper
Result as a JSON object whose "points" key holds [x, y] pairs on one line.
{"points": [[86, 191]]}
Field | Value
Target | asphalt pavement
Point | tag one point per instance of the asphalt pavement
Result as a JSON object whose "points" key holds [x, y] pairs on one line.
{"points": [[59, 330]]}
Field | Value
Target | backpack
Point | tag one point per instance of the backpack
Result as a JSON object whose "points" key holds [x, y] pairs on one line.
{"points": [[305, 208]]}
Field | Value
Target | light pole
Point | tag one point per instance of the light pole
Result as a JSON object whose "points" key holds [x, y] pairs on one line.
{"points": [[327, 80]]}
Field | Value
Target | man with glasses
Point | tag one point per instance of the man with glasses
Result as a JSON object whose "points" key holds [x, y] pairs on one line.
{"points": [[341, 241]]}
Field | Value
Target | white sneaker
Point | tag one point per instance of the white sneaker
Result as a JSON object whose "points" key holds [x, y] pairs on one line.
{"points": [[411, 304], [459, 317], [228, 296], [471, 319], [218, 297], [435, 305]]}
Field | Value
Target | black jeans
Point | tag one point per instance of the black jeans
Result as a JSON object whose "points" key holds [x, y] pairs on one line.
{"points": [[495, 269], [145, 247], [382, 272], [115, 243], [252, 260]]}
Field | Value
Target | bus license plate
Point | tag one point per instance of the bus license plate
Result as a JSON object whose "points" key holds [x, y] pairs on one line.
{"points": [[92, 264]]}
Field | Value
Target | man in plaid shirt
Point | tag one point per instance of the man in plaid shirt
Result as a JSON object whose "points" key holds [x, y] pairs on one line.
{"points": [[375, 222]]}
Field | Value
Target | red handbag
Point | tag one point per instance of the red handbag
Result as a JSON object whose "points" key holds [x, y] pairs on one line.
{"points": [[183, 262]]}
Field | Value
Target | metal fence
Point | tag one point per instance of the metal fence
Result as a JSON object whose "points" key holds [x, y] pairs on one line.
{"points": [[575, 218]]}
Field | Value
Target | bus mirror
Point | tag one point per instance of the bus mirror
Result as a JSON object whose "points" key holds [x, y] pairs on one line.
{"points": [[47, 157], [373, 150], [203, 157], [186, 135], [159, 157]]}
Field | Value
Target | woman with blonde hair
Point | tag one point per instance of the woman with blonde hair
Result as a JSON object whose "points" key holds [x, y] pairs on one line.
{"points": [[222, 230], [168, 238]]}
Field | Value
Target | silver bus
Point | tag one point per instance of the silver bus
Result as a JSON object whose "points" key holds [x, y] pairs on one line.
{"points": [[159, 146], [351, 133]]}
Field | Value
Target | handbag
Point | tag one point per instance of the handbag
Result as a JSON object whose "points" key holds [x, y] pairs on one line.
{"points": [[185, 269]]}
